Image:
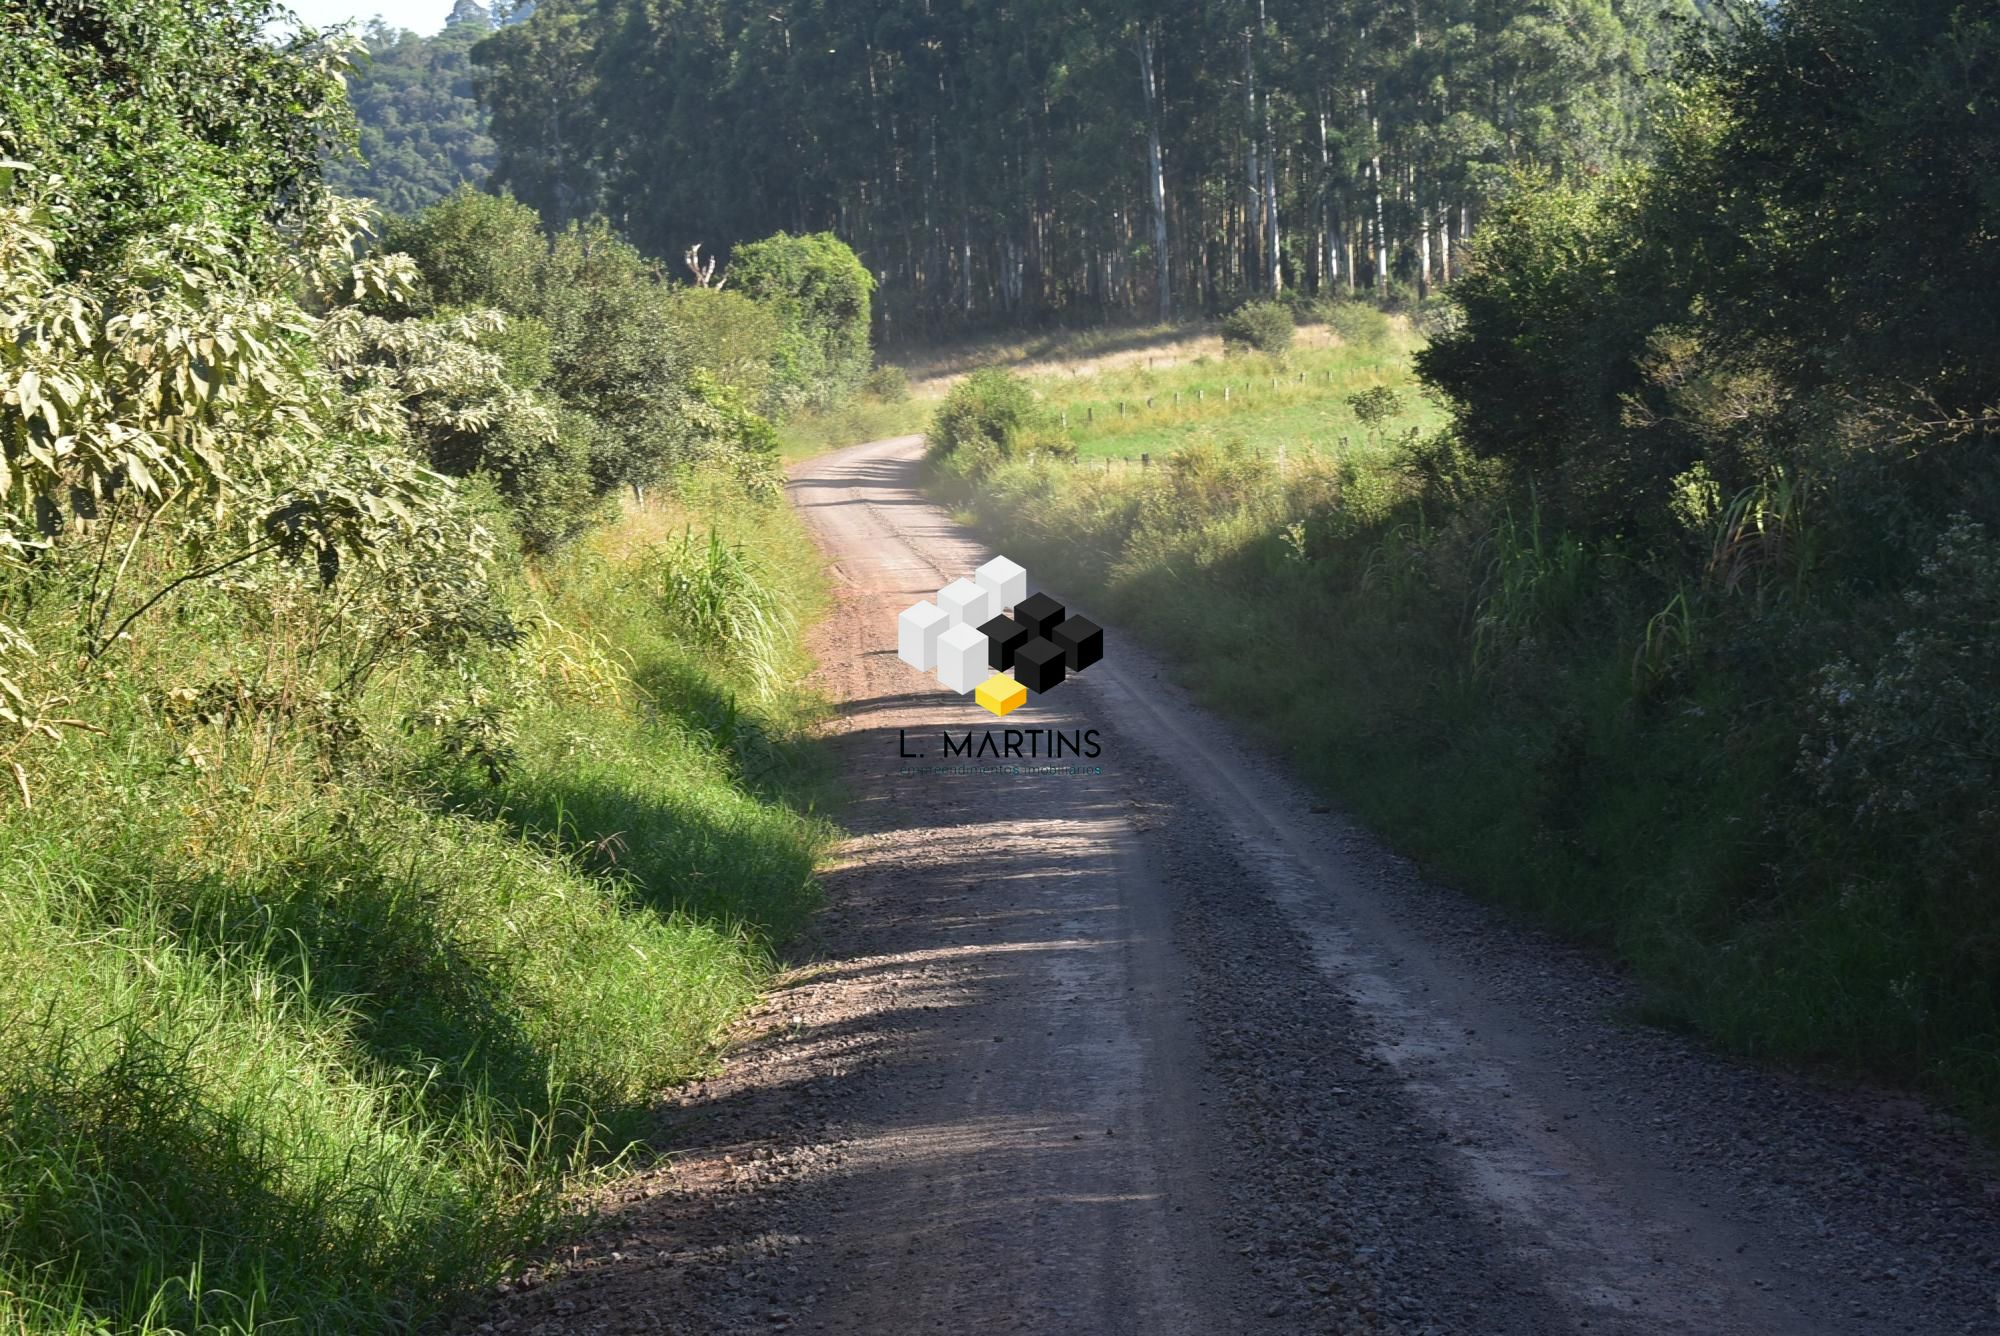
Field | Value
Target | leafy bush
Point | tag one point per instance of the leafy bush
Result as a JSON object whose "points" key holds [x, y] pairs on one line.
{"points": [[633, 379], [727, 436], [990, 416], [228, 135], [1359, 324], [820, 290], [727, 334], [1907, 744], [473, 250], [1551, 352], [1265, 327], [612, 344], [889, 383]]}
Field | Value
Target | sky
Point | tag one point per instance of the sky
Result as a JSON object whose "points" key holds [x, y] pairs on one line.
{"points": [[421, 16]]}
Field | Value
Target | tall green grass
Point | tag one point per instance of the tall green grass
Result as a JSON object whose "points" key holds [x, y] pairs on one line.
{"points": [[313, 1028], [864, 418], [1299, 401]]}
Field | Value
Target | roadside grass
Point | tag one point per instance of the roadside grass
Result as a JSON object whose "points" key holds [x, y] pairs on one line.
{"points": [[315, 1019], [1493, 700], [865, 418]]}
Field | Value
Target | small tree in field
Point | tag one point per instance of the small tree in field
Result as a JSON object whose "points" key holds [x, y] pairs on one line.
{"points": [[1375, 405]]}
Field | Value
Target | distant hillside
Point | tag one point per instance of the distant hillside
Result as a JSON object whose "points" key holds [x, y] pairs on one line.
{"points": [[422, 131]]}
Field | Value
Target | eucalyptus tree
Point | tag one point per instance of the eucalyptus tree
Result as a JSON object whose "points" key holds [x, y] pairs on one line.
{"points": [[1038, 159]]}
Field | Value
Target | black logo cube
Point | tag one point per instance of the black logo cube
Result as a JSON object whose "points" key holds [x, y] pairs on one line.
{"points": [[1081, 641], [1038, 664], [1039, 613], [1004, 636]]}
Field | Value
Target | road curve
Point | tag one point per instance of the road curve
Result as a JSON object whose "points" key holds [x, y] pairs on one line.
{"points": [[1163, 1047]]}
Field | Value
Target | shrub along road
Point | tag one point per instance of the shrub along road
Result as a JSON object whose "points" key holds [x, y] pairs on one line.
{"points": [[1170, 1049]]}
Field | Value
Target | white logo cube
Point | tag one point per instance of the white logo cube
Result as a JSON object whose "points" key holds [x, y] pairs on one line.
{"points": [[917, 632], [1007, 581], [968, 604], [961, 654]]}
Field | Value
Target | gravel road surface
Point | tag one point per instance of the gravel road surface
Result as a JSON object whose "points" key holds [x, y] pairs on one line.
{"points": [[1167, 1047]]}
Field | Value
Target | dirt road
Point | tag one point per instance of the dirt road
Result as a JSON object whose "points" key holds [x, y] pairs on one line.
{"points": [[1162, 1047]]}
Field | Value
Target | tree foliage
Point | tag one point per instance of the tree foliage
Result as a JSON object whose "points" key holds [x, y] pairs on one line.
{"points": [[819, 290], [632, 378], [225, 132], [190, 390], [1800, 281], [1765, 368]]}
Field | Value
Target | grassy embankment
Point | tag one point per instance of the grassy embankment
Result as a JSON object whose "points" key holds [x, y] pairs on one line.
{"points": [[1551, 723], [1152, 390], [316, 1012]]}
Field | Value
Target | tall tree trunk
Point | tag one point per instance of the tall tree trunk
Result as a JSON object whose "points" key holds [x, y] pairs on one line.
{"points": [[1423, 253], [1329, 267], [1375, 187], [965, 253], [1381, 232], [1156, 171], [1273, 256], [1444, 242], [1253, 237]]}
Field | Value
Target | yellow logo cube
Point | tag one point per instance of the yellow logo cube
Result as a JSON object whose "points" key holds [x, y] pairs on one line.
{"points": [[1000, 694]]}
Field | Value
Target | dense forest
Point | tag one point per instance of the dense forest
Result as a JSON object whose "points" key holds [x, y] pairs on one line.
{"points": [[1010, 163], [421, 132]]}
